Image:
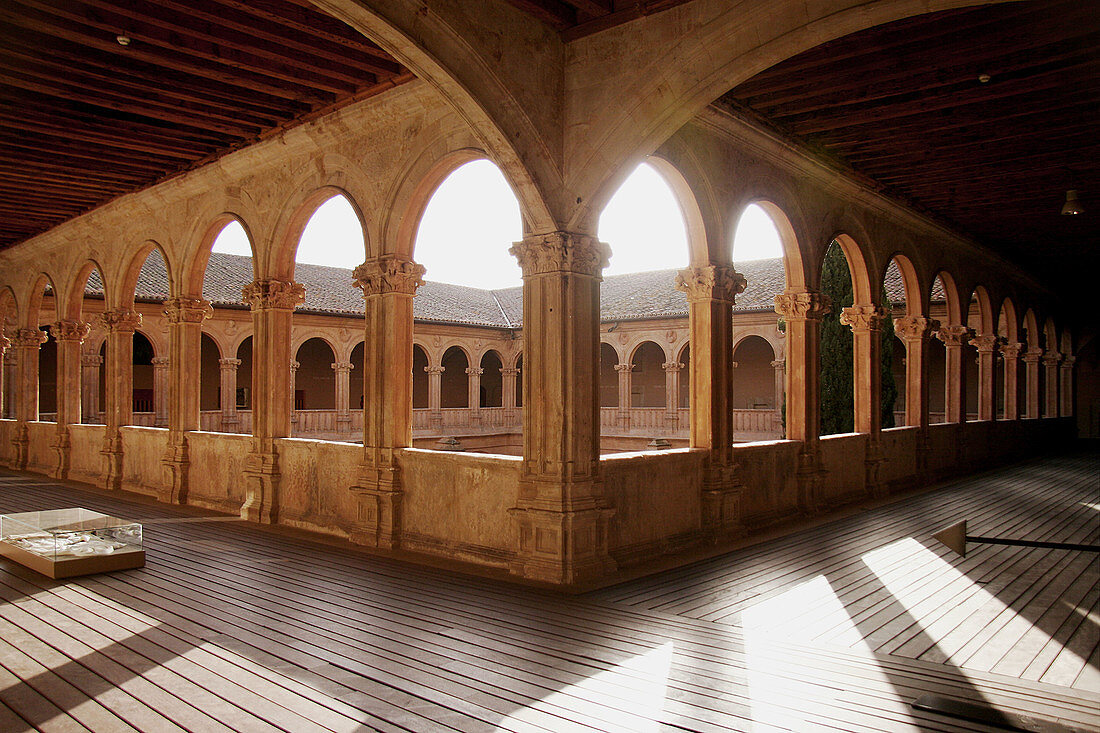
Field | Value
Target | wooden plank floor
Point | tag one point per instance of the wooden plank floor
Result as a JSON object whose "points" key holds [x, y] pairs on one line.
{"points": [[232, 626]]}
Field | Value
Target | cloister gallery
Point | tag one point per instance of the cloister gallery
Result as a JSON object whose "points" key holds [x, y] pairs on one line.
{"points": [[578, 425]]}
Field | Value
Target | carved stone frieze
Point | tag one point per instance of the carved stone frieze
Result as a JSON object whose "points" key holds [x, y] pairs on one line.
{"points": [[71, 330], [915, 328], [561, 252], [863, 317], [28, 338], [187, 310], [123, 320], [802, 305], [388, 274], [272, 294], [711, 283], [954, 335]]}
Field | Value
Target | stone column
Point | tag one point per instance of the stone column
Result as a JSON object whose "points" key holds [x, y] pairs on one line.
{"points": [[89, 388], [1066, 390], [802, 312], [473, 393], [508, 401], [1010, 353], [228, 384], [1031, 367], [711, 292], [672, 394], [185, 316], [953, 338], [915, 332], [343, 394], [986, 344], [866, 324], [162, 388], [272, 302], [388, 283], [292, 404], [624, 371], [561, 512], [119, 386], [70, 336], [5, 344], [1051, 360], [25, 342], [8, 400], [780, 367], [435, 379]]}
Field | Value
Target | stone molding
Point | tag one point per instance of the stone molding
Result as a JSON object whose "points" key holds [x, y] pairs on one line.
{"points": [[1051, 358], [624, 367], [124, 320], [388, 274], [954, 335], [802, 305], [475, 371], [985, 342], [228, 364], [71, 330], [271, 294], [187, 310], [509, 372], [29, 338], [338, 366], [544, 254], [1032, 356], [915, 328], [719, 283], [672, 366], [94, 360], [863, 317], [779, 364], [435, 369]]}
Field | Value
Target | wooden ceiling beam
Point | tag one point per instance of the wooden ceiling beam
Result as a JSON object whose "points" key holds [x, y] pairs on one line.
{"points": [[124, 141], [594, 8], [558, 15], [302, 16]]}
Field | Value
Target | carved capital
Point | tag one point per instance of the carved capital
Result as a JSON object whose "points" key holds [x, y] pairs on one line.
{"points": [[187, 310], [294, 366], [779, 364], [804, 306], [863, 317], [1032, 356], [506, 372], [623, 367], [1051, 358], [915, 328], [5, 344], [475, 371], [340, 366], [1011, 351], [273, 294], [434, 369], [711, 283], [388, 274], [954, 335], [91, 360], [672, 366], [124, 320], [1067, 363], [985, 342], [71, 331], [28, 338], [228, 364], [561, 252]]}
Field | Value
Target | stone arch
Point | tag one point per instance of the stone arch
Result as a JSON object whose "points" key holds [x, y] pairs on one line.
{"points": [[292, 223], [301, 338], [195, 268], [794, 264], [74, 303], [356, 358], [691, 209], [1031, 329], [608, 376], [952, 299], [420, 362], [984, 303], [1007, 321], [916, 302], [38, 297], [683, 400], [210, 354], [144, 382], [1050, 335], [454, 382], [753, 375], [124, 298], [864, 289], [315, 380], [491, 393], [647, 378], [243, 350]]}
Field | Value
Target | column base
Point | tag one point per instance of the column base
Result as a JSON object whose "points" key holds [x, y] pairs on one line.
{"points": [[562, 547], [261, 485], [378, 511], [176, 464], [61, 445]]}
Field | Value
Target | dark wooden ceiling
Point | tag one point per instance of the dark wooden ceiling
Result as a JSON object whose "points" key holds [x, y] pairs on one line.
{"points": [[84, 118], [904, 105]]}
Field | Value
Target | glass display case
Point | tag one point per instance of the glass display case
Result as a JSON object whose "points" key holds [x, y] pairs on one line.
{"points": [[62, 543]]}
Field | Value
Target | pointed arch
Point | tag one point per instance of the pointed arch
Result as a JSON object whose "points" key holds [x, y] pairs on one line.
{"points": [[297, 214], [124, 298], [195, 269]]}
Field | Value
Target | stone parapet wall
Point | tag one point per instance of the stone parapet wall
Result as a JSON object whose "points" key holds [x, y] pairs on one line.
{"points": [[85, 462]]}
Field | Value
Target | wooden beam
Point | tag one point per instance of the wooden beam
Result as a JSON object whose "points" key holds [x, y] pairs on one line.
{"points": [[558, 15]]}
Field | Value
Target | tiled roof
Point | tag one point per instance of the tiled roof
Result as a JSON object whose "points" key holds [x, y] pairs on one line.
{"points": [[634, 296]]}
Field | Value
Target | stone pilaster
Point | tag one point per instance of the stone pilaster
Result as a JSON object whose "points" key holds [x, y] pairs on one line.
{"points": [[90, 364], [162, 387], [1010, 355], [388, 283], [227, 371], [272, 302], [69, 335], [185, 316], [986, 344], [802, 313], [508, 385], [624, 372], [711, 292], [953, 338], [119, 403], [435, 382], [25, 342], [473, 393], [1031, 358], [672, 393], [561, 513], [1051, 359], [915, 332], [1066, 387], [343, 393]]}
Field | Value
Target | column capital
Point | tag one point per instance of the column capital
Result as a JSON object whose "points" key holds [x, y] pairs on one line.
{"points": [[624, 367], [1051, 358], [271, 294], [806, 306], [338, 366], [388, 274], [70, 330], [122, 320], [294, 365], [1012, 351], [719, 283], [1068, 362], [91, 360], [161, 362], [779, 364], [915, 328], [954, 335], [5, 343], [28, 338], [435, 369], [475, 371], [187, 310], [541, 254], [509, 372], [1032, 356], [672, 366], [863, 317], [227, 363], [985, 342]]}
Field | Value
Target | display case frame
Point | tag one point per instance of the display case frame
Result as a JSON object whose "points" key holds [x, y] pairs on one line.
{"points": [[65, 543]]}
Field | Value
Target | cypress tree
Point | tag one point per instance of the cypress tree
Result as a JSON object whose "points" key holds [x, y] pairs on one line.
{"points": [[837, 408], [889, 386]]}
